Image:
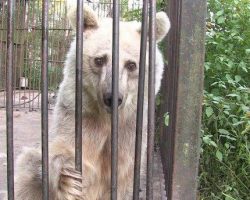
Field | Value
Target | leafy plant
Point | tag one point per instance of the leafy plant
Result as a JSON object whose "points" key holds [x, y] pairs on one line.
{"points": [[225, 158]]}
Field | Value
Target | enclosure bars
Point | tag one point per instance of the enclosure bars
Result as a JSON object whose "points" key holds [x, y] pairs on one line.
{"points": [[140, 100], [115, 91], [44, 87], [151, 99], [78, 91], [9, 98]]}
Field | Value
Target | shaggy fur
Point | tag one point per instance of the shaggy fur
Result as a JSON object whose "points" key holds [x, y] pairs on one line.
{"points": [[94, 184]]}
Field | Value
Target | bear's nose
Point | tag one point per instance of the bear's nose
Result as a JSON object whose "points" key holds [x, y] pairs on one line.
{"points": [[107, 98]]}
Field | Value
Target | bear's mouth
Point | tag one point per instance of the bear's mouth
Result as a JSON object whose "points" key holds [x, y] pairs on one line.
{"points": [[109, 109]]}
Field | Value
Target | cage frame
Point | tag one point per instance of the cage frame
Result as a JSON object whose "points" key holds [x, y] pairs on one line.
{"points": [[180, 139]]}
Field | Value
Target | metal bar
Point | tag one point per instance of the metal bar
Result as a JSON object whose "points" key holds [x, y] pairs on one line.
{"points": [[185, 57], [78, 93], [39, 29], [151, 99], [31, 52], [140, 101], [44, 101], [9, 98], [27, 42], [173, 46], [115, 90], [4, 51]]}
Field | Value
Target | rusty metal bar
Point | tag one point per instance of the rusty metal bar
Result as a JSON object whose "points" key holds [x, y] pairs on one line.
{"points": [[115, 90], [78, 94], [140, 101], [180, 140], [9, 98], [151, 99], [44, 101]]}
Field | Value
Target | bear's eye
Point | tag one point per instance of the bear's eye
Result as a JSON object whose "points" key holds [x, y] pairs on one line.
{"points": [[100, 61], [131, 66]]}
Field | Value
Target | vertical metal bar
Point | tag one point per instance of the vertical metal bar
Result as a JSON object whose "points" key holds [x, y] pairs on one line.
{"points": [[173, 51], [27, 41], [32, 61], [115, 90], [140, 100], [9, 98], [4, 57], [44, 87], [151, 99], [78, 97], [16, 19], [40, 77], [186, 58]]}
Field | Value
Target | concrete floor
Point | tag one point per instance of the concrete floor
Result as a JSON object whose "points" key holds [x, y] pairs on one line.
{"points": [[27, 126]]}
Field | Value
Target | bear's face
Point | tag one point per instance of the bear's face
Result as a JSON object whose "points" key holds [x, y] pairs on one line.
{"points": [[98, 63], [97, 58]]}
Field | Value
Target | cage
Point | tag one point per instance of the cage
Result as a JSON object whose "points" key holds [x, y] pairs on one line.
{"points": [[36, 24]]}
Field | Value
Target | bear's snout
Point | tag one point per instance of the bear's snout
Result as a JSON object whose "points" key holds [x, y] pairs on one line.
{"points": [[107, 99]]}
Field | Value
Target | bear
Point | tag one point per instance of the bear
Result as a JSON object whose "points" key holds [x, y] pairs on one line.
{"points": [[65, 183]]}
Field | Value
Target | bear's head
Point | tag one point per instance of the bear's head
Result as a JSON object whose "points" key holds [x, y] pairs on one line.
{"points": [[97, 61]]}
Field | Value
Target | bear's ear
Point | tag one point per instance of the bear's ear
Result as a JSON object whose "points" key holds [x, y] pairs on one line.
{"points": [[162, 26], [89, 17]]}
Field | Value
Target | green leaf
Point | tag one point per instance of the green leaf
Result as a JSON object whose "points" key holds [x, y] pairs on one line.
{"points": [[213, 143], [223, 131], [219, 155], [217, 98], [158, 100], [209, 111], [221, 20], [247, 51], [228, 77], [219, 13], [226, 112], [232, 95], [207, 139], [237, 78], [166, 119], [228, 137], [243, 66], [228, 197], [238, 123]]}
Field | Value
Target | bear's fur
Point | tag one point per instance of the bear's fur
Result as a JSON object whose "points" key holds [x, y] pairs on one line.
{"points": [[65, 182]]}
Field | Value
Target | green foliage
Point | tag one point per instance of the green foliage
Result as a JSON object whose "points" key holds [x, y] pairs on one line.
{"points": [[225, 158], [136, 12]]}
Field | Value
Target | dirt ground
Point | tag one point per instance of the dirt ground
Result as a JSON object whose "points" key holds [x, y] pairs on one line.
{"points": [[27, 126]]}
